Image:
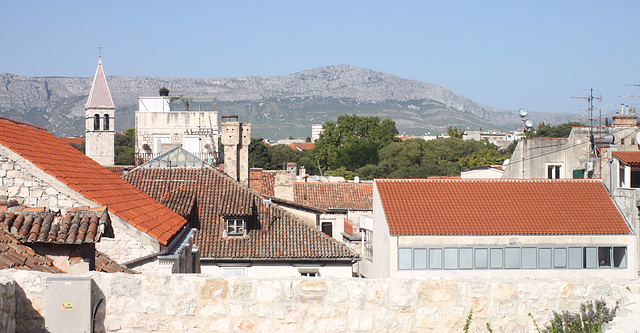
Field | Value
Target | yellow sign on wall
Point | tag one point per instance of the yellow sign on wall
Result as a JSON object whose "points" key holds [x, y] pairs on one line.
{"points": [[67, 306]]}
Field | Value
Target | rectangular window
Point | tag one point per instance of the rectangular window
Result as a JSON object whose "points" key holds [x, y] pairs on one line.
{"points": [[560, 258], [620, 257], [590, 257], [575, 257], [235, 227], [451, 258], [234, 271], [553, 171], [529, 257], [404, 258], [544, 258], [621, 173], [419, 258], [512, 258], [466, 258], [368, 244], [496, 258], [482, 258], [435, 258], [604, 257]]}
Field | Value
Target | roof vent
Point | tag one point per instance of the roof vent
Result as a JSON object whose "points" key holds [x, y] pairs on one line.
{"points": [[164, 91]]}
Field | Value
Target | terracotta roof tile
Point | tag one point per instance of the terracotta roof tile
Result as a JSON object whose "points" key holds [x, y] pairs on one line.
{"points": [[272, 233], [335, 196], [105, 264], [498, 207], [14, 255], [630, 158], [85, 176], [302, 146]]}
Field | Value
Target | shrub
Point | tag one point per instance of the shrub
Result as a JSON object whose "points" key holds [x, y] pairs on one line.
{"points": [[590, 319]]}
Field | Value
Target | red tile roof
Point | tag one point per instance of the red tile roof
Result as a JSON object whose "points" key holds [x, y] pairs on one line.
{"points": [[302, 146], [498, 207], [335, 196], [18, 256], [105, 264], [76, 141], [630, 158], [272, 232], [262, 181], [90, 179]]}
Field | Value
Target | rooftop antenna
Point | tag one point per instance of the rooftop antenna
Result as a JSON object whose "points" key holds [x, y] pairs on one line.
{"points": [[590, 108]]}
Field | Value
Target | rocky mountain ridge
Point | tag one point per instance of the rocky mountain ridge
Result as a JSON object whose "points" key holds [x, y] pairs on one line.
{"points": [[276, 105]]}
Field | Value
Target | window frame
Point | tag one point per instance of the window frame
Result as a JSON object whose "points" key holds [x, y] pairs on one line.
{"points": [[242, 225]]}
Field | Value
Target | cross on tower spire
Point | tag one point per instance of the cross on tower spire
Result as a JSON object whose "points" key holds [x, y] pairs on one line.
{"points": [[100, 50]]}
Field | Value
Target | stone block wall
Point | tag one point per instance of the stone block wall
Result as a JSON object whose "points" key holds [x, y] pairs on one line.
{"points": [[198, 303], [7, 305]]}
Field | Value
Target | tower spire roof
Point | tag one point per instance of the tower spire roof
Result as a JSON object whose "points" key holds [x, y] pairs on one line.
{"points": [[99, 96]]}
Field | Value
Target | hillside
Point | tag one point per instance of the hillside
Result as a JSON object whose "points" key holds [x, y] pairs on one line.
{"points": [[278, 106]]}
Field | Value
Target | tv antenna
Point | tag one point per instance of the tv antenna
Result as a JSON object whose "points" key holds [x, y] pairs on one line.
{"points": [[590, 109]]}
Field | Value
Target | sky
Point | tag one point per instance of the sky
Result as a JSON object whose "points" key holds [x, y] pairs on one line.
{"points": [[505, 54]]}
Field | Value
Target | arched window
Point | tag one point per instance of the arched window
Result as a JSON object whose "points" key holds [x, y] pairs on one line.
{"points": [[105, 126], [96, 122]]}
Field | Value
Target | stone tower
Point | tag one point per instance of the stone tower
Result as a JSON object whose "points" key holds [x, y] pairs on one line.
{"points": [[99, 130], [236, 137]]}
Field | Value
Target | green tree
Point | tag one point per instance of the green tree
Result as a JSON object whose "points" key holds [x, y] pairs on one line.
{"points": [[340, 142], [454, 132], [307, 139], [483, 157], [78, 146], [281, 155], [558, 131], [124, 147], [259, 156]]}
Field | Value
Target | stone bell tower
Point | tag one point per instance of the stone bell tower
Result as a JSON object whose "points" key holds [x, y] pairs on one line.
{"points": [[99, 131]]}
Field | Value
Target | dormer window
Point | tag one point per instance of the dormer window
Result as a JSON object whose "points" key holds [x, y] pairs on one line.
{"points": [[236, 227]]}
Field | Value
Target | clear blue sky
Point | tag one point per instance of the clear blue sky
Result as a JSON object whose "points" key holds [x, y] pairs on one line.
{"points": [[506, 54]]}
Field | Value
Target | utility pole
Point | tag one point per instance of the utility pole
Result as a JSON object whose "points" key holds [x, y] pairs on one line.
{"points": [[590, 99]]}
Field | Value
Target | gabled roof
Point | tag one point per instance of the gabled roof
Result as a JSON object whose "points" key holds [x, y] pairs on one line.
{"points": [[302, 146], [630, 158], [335, 196], [498, 207], [272, 232], [90, 179], [99, 95]]}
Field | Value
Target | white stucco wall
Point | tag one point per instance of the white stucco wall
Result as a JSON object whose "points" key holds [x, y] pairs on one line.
{"points": [[278, 270]]}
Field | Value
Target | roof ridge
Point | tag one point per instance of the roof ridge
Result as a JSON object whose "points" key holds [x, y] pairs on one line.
{"points": [[17, 122], [491, 180]]}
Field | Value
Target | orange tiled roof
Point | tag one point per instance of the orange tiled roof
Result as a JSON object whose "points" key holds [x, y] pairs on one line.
{"points": [[630, 158], [272, 233], [302, 146], [90, 179], [18, 256], [498, 207], [76, 141], [339, 196], [105, 264]]}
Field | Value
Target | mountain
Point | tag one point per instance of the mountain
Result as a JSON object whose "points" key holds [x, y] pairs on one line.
{"points": [[277, 106]]}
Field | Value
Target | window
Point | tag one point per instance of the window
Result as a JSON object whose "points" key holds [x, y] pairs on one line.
{"points": [[482, 259], [496, 258], [622, 142], [451, 258], [368, 244], [512, 258], [404, 258], [544, 258], [96, 122], [327, 228], [105, 125], [529, 257], [466, 258], [604, 257], [235, 227], [621, 173], [239, 271], [420, 259], [560, 258], [553, 171], [590, 257], [435, 258], [575, 257], [620, 257]]}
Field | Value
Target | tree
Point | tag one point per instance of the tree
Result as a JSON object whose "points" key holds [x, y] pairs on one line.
{"points": [[558, 131], [281, 155], [454, 132], [259, 156], [124, 147], [307, 139], [483, 157], [340, 142]]}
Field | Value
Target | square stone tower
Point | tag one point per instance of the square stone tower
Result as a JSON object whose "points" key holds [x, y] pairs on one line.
{"points": [[236, 137], [99, 132]]}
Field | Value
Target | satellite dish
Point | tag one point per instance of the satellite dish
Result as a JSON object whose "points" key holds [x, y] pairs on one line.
{"points": [[523, 112], [529, 124]]}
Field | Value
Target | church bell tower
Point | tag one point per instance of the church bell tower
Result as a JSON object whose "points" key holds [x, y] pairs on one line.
{"points": [[99, 132]]}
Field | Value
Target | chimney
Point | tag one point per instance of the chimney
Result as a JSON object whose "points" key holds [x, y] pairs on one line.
{"points": [[624, 118], [236, 137], [255, 179], [283, 186], [164, 91]]}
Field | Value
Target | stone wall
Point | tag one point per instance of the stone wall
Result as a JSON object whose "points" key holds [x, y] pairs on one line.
{"points": [[7, 305], [198, 303]]}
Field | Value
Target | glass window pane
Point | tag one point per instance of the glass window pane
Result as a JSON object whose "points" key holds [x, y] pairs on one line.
{"points": [[620, 257], [404, 258], [604, 257], [575, 257], [419, 258], [435, 258], [496, 258], [512, 257], [590, 257], [482, 258], [545, 258], [529, 257], [450, 258], [466, 258], [560, 258]]}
